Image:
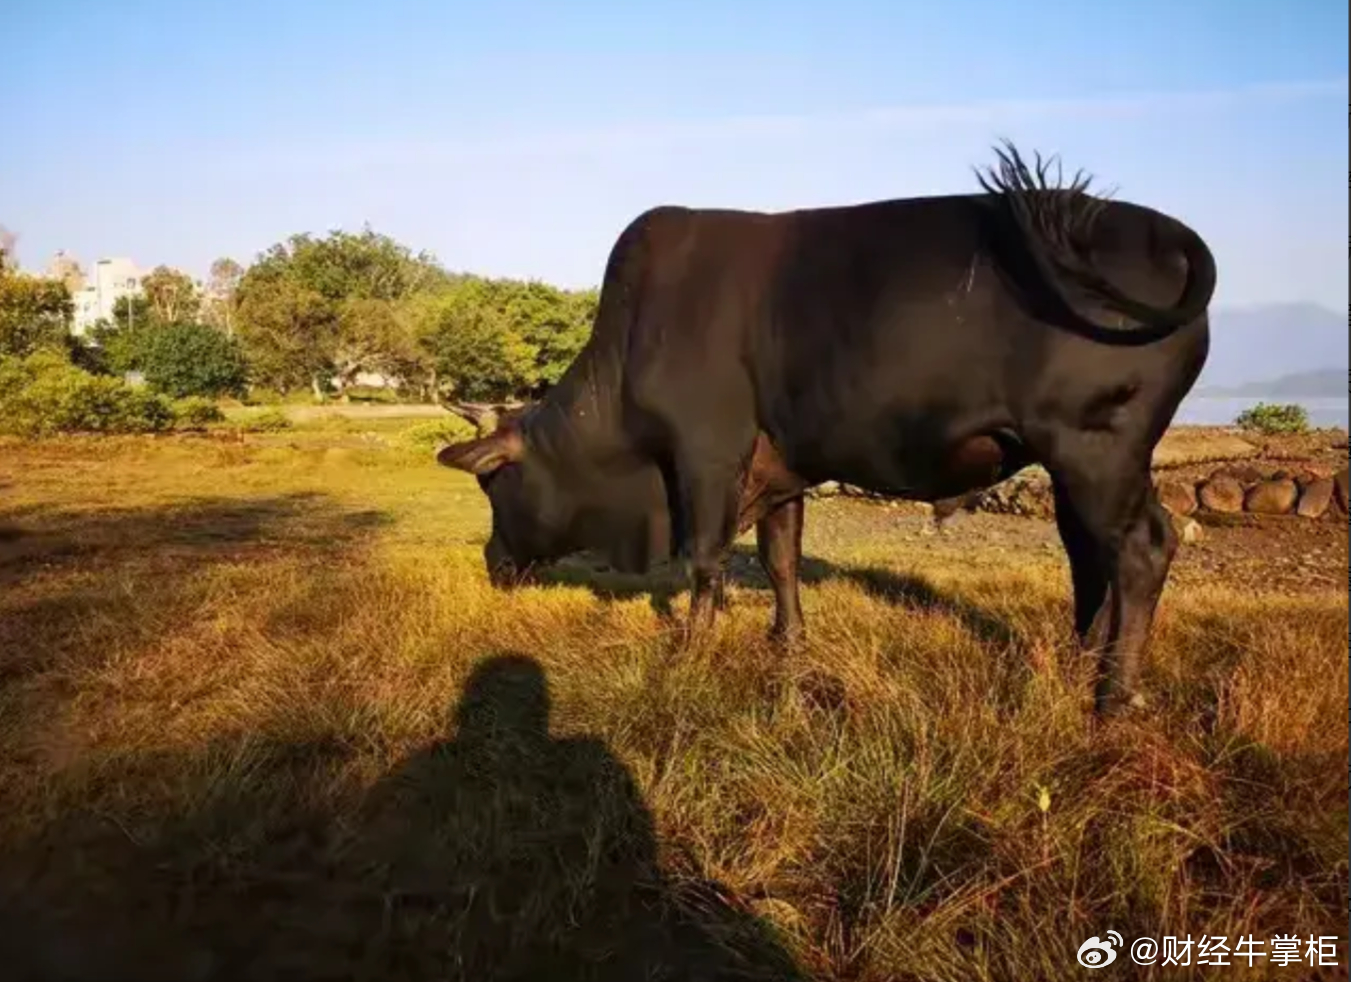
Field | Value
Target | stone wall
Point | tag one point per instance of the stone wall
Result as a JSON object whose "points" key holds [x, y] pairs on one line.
{"points": [[1309, 491], [1234, 489]]}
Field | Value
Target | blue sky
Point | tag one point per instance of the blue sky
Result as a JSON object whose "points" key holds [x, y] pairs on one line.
{"points": [[519, 138]]}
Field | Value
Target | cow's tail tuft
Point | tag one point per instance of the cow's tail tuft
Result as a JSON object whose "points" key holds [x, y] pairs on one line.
{"points": [[1054, 217]]}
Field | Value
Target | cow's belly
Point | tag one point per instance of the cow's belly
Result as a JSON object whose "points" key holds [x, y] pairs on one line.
{"points": [[932, 472], [948, 471]]}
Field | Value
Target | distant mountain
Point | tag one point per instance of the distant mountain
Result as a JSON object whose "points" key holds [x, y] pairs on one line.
{"points": [[1322, 383], [1267, 345]]}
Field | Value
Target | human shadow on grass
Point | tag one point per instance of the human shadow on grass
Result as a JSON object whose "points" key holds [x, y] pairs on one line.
{"points": [[504, 853], [743, 569]]}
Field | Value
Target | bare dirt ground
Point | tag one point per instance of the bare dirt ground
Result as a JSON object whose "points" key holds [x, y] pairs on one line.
{"points": [[1284, 555]]}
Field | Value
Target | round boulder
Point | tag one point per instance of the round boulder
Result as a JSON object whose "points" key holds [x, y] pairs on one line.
{"points": [[1179, 497], [1340, 481], [1276, 497], [1245, 474], [1316, 499], [1222, 494]]}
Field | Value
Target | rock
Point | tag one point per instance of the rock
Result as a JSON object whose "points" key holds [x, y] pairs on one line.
{"points": [[1222, 493], [1275, 497], [1188, 530], [1317, 496], [826, 489], [1340, 481], [1179, 497], [1245, 474]]}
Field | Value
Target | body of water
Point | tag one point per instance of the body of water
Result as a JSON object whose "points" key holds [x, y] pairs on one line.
{"points": [[1221, 410]]}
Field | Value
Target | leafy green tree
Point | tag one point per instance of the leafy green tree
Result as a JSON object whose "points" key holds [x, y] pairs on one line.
{"points": [[285, 330], [498, 338], [131, 312], [559, 328], [193, 360], [121, 341], [475, 352], [35, 312], [326, 309], [172, 296]]}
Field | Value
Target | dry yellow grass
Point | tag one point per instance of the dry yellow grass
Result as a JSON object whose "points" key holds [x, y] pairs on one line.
{"points": [[262, 717]]}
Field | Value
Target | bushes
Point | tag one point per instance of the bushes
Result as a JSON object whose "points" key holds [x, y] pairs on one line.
{"points": [[197, 411], [266, 421], [1269, 418], [44, 395], [435, 433]]}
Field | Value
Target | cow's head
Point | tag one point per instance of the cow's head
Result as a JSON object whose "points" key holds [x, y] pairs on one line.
{"points": [[521, 496], [545, 508]]}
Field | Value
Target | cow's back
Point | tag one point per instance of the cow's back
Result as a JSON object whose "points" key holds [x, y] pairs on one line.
{"points": [[873, 339]]}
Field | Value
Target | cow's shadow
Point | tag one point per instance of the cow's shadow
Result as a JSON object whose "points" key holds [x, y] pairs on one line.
{"points": [[503, 852], [663, 585]]}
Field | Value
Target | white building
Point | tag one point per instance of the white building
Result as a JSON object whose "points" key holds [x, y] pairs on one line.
{"points": [[109, 280]]}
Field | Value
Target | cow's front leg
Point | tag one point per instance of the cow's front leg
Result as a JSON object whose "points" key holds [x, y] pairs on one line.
{"points": [[707, 497], [709, 502]]}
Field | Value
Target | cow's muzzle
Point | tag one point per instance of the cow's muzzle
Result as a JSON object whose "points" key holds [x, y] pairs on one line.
{"points": [[503, 572]]}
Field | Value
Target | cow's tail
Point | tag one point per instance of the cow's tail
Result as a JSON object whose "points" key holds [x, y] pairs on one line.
{"points": [[1052, 218]]}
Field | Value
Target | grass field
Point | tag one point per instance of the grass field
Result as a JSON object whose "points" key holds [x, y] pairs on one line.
{"points": [[261, 717]]}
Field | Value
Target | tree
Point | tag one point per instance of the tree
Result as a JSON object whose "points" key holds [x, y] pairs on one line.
{"points": [[327, 309], [9, 259], [131, 312], [172, 295], [122, 341], [504, 338], [35, 312], [367, 265], [285, 331], [193, 360], [556, 322], [474, 351], [222, 290], [374, 336]]}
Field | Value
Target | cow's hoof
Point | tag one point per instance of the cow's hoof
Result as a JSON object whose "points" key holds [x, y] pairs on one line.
{"points": [[787, 640], [1121, 706], [693, 635]]}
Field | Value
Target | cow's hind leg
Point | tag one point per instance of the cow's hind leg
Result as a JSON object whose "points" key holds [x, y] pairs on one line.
{"points": [[1120, 543], [778, 540], [1088, 571]]}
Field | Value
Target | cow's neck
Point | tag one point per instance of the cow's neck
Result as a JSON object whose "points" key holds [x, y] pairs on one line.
{"points": [[577, 424]]}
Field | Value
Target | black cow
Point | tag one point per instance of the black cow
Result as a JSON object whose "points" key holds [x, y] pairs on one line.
{"points": [[919, 348]]}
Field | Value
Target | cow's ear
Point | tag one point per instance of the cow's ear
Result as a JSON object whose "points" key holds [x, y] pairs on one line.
{"points": [[484, 455]]}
